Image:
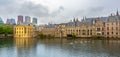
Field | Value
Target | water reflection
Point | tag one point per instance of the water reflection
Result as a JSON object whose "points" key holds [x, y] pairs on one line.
{"points": [[30, 47], [26, 47], [81, 48]]}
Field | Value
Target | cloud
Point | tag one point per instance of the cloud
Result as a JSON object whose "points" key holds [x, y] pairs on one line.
{"points": [[58, 11], [96, 11], [5, 2], [29, 8]]}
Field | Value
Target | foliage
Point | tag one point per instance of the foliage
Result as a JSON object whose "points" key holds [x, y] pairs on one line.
{"points": [[41, 35], [74, 34], [6, 29], [1, 29], [6, 42]]}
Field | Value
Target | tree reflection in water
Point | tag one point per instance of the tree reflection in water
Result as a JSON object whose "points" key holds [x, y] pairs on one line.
{"points": [[30, 47]]}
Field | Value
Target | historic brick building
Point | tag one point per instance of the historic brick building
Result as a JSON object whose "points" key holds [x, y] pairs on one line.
{"points": [[23, 31], [88, 27]]}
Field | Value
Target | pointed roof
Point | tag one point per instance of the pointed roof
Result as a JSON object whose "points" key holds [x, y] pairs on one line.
{"points": [[77, 20], [74, 20], [117, 13]]}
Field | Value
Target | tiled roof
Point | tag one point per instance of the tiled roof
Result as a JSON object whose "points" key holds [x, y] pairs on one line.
{"points": [[50, 26]]}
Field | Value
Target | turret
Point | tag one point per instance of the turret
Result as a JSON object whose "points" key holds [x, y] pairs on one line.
{"points": [[117, 13]]}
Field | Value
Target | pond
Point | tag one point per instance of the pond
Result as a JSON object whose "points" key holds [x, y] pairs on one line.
{"points": [[59, 48]]}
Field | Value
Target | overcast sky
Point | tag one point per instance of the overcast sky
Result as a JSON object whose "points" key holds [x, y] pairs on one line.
{"points": [[57, 11]]}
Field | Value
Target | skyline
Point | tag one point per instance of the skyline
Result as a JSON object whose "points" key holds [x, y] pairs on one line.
{"points": [[20, 20], [57, 11], [31, 19]]}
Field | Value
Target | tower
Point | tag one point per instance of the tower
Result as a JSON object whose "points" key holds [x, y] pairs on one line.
{"points": [[34, 21], [77, 20], [117, 13], [27, 20], [74, 20], [83, 21], [20, 19], [1, 21]]}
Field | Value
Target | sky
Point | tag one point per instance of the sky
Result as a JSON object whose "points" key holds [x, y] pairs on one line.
{"points": [[57, 11]]}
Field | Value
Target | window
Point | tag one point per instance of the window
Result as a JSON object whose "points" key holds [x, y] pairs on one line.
{"points": [[98, 29], [117, 33], [77, 30], [90, 33], [107, 28], [112, 28], [102, 33], [102, 29], [98, 33], [112, 33], [83, 33], [83, 30], [107, 33], [88, 30]]}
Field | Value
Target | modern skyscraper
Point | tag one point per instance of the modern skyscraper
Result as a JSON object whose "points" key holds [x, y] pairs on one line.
{"points": [[20, 19], [1, 21], [34, 21], [8, 21], [27, 19], [11, 21]]}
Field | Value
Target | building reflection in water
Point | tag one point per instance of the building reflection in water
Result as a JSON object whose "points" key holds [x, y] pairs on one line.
{"points": [[26, 47]]}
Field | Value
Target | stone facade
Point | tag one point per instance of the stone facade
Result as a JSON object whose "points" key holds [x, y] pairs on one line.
{"points": [[112, 29], [89, 27], [81, 31], [21, 31], [49, 31]]}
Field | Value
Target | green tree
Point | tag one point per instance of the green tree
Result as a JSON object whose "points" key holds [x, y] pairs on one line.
{"points": [[1, 29], [41, 35], [8, 29]]}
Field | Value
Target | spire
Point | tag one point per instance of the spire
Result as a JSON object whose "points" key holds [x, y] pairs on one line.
{"points": [[83, 19], [77, 20], [74, 20], [117, 13], [111, 14]]}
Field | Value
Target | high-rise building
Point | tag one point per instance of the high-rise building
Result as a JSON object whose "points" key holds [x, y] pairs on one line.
{"points": [[20, 19], [11, 21], [1, 21], [34, 21], [27, 19], [8, 21]]}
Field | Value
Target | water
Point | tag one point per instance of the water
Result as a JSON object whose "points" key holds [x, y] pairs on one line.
{"points": [[59, 48]]}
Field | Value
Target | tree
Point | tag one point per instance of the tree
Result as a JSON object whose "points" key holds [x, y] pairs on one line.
{"points": [[8, 29], [1, 29]]}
